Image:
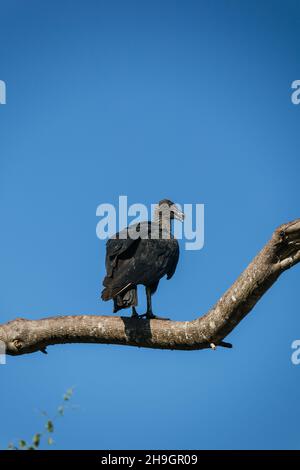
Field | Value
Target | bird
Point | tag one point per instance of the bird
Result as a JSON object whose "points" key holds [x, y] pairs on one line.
{"points": [[142, 259]]}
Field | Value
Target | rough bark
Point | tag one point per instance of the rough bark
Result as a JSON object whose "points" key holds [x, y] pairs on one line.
{"points": [[22, 336]]}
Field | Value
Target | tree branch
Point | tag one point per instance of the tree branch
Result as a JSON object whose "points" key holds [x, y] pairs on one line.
{"points": [[23, 336]]}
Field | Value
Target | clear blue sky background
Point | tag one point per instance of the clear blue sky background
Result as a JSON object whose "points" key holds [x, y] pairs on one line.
{"points": [[188, 100]]}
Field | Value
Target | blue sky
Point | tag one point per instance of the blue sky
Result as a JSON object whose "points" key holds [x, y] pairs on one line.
{"points": [[188, 100]]}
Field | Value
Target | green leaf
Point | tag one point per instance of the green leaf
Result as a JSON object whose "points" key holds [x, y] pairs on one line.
{"points": [[68, 394], [60, 410], [36, 439], [49, 426], [22, 443], [50, 441]]}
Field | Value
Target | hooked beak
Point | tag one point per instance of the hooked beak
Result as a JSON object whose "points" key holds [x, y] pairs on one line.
{"points": [[178, 214]]}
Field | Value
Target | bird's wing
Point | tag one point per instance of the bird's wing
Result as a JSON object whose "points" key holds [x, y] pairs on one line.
{"points": [[121, 241], [115, 247], [173, 260], [122, 244]]}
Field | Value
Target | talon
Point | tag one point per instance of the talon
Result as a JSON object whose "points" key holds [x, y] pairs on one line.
{"points": [[155, 317], [151, 316], [134, 313]]}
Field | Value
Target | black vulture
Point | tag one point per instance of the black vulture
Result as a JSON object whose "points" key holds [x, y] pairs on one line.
{"points": [[141, 254]]}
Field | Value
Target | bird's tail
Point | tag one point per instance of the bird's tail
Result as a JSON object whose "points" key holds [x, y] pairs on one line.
{"points": [[123, 297], [106, 294], [125, 300]]}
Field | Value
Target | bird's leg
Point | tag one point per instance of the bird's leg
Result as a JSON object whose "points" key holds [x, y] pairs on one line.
{"points": [[149, 314], [134, 313]]}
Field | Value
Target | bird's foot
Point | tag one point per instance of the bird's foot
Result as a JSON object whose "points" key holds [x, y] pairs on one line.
{"points": [[151, 316], [134, 313]]}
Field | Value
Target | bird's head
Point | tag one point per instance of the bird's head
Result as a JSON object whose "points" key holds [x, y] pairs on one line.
{"points": [[169, 209]]}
